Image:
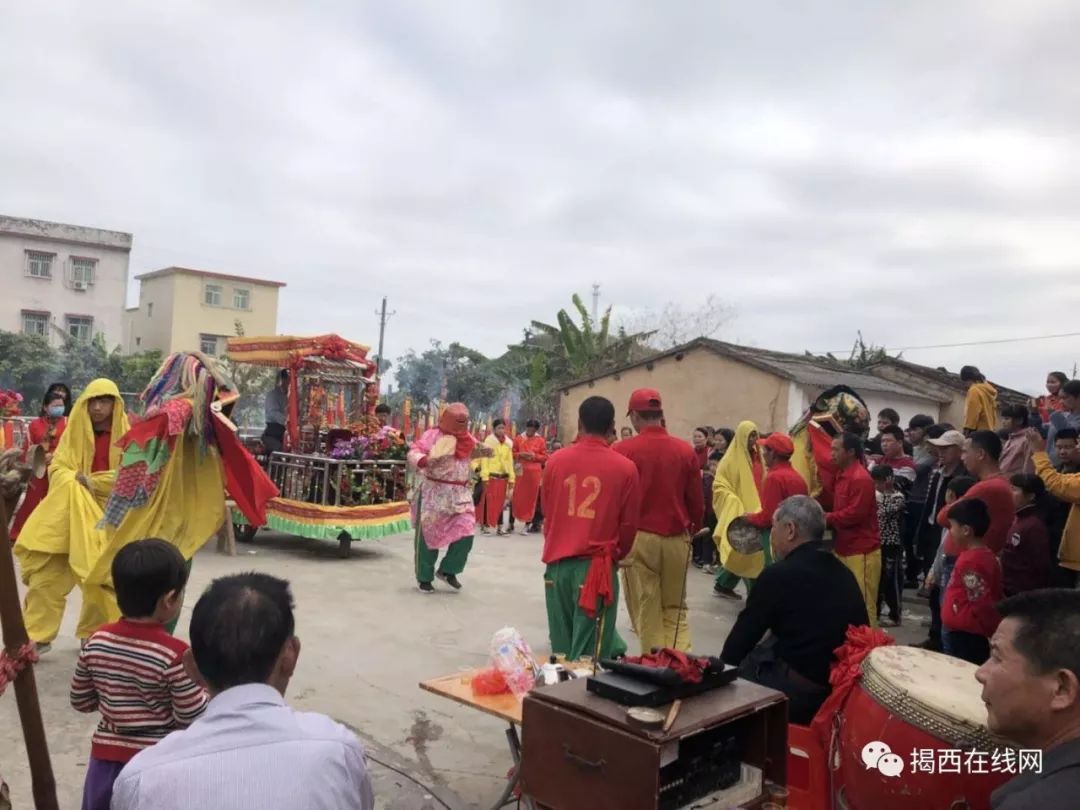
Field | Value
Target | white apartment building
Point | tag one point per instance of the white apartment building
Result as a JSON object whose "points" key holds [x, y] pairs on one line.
{"points": [[63, 279]]}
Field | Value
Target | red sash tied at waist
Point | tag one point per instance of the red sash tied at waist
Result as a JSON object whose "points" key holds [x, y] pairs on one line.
{"points": [[598, 581]]}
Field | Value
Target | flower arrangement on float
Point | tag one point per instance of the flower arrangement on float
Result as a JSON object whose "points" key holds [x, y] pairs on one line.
{"points": [[370, 486], [10, 403], [386, 444]]}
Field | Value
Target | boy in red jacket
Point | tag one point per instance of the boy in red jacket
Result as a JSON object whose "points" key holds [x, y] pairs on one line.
{"points": [[968, 610]]}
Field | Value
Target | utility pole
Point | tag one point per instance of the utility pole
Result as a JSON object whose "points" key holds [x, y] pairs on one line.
{"points": [[383, 317], [595, 301]]}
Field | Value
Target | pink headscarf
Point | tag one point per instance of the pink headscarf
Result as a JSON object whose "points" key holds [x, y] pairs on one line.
{"points": [[454, 421]]}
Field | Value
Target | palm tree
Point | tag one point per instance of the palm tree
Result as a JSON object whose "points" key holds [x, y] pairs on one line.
{"points": [[580, 350]]}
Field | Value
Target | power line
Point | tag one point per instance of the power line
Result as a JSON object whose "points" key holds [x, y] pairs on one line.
{"points": [[961, 345]]}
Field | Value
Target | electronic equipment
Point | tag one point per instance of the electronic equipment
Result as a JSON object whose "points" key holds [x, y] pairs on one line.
{"points": [[638, 685], [580, 749]]}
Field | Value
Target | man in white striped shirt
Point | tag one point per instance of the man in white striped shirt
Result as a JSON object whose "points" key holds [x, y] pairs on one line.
{"points": [[249, 749]]}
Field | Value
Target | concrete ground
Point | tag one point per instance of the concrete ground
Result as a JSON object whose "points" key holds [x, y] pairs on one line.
{"points": [[368, 637]]}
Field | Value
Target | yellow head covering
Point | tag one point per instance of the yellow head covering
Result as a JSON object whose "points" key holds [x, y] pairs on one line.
{"points": [[76, 448], [735, 493], [66, 521]]}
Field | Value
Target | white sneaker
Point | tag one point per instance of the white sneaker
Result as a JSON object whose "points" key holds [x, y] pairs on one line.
{"points": [[524, 532], [485, 530], [43, 648]]}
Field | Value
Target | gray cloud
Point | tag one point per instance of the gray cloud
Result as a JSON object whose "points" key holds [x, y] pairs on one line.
{"points": [[908, 170]]}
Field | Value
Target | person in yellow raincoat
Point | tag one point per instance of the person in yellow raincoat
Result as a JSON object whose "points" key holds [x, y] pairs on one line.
{"points": [[736, 492], [61, 541], [980, 403]]}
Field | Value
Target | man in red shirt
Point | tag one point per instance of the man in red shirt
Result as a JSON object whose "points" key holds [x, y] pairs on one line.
{"points": [[982, 451], [893, 455], [781, 482], [672, 509], [852, 516], [590, 498], [530, 451]]}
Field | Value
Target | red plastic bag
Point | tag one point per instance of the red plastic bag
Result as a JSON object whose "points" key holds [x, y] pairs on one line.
{"points": [[489, 682]]}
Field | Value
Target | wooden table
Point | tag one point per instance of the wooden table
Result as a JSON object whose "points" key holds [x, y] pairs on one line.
{"points": [[506, 707]]}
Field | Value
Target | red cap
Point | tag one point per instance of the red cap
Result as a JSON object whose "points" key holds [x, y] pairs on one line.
{"points": [[779, 443], [645, 399]]}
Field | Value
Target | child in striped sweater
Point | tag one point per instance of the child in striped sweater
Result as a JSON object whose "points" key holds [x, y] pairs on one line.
{"points": [[133, 671]]}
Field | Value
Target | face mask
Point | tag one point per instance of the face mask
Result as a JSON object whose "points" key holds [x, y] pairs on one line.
{"points": [[55, 411]]}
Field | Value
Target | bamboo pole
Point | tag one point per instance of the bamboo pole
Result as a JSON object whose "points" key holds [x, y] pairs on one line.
{"points": [[26, 696]]}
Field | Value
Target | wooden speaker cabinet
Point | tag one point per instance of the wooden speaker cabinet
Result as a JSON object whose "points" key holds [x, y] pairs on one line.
{"points": [[581, 751]]}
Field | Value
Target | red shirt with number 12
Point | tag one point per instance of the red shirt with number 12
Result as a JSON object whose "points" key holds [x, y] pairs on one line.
{"points": [[590, 497]]}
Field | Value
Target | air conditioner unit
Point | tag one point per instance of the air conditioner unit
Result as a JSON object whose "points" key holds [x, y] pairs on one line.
{"points": [[78, 285]]}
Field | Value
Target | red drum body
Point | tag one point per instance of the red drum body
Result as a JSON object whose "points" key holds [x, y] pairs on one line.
{"points": [[912, 736]]}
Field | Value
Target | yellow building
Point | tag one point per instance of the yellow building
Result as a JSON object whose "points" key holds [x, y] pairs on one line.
{"points": [[184, 310]]}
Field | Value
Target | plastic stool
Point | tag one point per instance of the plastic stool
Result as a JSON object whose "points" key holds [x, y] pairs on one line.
{"points": [[807, 770]]}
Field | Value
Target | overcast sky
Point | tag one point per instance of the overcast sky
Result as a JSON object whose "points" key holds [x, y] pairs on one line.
{"points": [[908, 169]]}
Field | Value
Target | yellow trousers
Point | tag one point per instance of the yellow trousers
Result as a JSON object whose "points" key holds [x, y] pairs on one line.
{"points": [[867, 571], [631, 597], [49, 579], [657, 578]]}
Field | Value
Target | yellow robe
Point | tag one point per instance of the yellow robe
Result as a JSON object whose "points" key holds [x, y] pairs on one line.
{"points": [[187, 508], [734, 494], [803, 460], [60, 542]]}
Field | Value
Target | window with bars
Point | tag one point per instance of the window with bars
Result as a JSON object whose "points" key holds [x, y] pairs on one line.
{"points": [[241, 299], [82, 272], [208, 344], [212, 295], [80, 327], [38, 264], [35, 323]]}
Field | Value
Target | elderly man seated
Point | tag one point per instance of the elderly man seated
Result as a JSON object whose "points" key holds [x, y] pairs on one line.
{"points": [[806, 602], [250, 748], [1031, 688]]}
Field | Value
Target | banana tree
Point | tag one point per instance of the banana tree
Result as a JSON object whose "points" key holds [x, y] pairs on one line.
{"points": [[584, 349]]}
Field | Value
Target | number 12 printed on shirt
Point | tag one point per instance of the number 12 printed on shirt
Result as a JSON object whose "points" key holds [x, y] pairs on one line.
{"points": [[591, 485]]}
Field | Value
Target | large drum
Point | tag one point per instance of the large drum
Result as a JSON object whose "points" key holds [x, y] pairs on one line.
{"points": [[913, 734], [745, 537]]}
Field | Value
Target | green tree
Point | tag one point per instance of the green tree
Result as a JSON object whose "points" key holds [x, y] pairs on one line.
{"points": [[28, 364], [587, 347], [456, 371], [86, 360], [134, 371], [253, 382], [538, 394]]}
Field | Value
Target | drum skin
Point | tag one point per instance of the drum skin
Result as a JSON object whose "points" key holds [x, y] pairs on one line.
{"points": [[864, 720], [744, 537]]}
